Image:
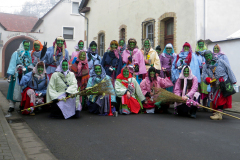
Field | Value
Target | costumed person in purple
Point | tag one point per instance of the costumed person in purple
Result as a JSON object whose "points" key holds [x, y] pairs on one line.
{"points": [[134, 59], [36, 83], [55, 55], [19, 64], [185, 57], [217, 52], [61, 85], [92, 55], [112, 61], [186, 87], [166, 59], [122, 46]]}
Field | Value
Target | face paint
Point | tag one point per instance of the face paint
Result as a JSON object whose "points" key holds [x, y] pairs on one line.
{"points": [[26, 46], [121, 43], [93, 47], [114, 46], [126, 73], [37, 47], [59, 43], [216, 49], [208, 57], [152, 74], [40, 69], [200, 44], [98, 70], [169, 50], [158, 51], [186, 49], [65, 66], [146, 44], [132, 45], [80, 45], [186, 72], [82, 56]]}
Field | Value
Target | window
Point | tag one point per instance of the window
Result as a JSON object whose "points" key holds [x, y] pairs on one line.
{"points": [[101, 44], [168, 35], [122, 33], [75, 6], [68, 32], [149, 33]]}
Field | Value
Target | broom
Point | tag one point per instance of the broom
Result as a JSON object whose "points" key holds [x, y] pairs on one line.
{"points": [[164, 96], [102, 88]]}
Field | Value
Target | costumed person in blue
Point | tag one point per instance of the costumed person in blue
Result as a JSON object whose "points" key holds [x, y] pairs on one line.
{"points": [[185, 57], [20, 62], [99, 104], [63, 84], [38, 52], [122, 46], [92, 55], [55, 54], [112, 61], [36, 83]]}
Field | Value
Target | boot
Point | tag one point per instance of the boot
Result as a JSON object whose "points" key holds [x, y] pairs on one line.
{"points": [[217, 116]]}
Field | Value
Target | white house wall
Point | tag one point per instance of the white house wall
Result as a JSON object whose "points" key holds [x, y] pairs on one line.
{"points": [[109, 15]]}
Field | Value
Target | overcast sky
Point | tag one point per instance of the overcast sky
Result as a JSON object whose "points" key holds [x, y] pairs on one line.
{"points": [[9, 6]]}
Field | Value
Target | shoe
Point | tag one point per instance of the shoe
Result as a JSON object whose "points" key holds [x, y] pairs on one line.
{"points": [[216, 116], [32, 114], [193, 116], [10, 109]]}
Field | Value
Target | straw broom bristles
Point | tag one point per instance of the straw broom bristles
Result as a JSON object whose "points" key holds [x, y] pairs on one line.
{"points": [[164, 96], [102, 88]]}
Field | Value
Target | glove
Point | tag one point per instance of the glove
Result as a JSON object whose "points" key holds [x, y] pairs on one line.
{"points": [[55, 100], [44, 50], [208, 80], [136, 68]]}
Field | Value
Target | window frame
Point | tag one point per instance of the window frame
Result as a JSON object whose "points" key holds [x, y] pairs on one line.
{"points": [[72, 8], [144, 30], [99, 36], [147, 32], [73, 32]]}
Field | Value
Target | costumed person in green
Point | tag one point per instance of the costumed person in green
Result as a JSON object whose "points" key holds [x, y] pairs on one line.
{"points": [[20, 62], [62, 84]]}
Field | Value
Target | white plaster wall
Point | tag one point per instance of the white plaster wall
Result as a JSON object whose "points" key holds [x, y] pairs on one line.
{"points": [[58, 18], [109, 15], [222, 18], [231, 49], [1, 48], [199, 7]]}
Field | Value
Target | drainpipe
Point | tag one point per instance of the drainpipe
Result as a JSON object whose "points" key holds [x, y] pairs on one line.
{"points": [[204, 19], [87, 27]]}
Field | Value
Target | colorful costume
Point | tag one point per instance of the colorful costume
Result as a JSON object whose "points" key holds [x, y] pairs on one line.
{"points": [[122, 85], [186, 86], [36, 88], [185, 58], [99, 104], [93, 57], [54, 56], [151, 57], [221, 55], [122, 48], [22, 59], [38, 55], [61, 84]]}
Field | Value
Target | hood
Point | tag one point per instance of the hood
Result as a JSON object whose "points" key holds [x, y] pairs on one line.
{"points": [[190, 76]]}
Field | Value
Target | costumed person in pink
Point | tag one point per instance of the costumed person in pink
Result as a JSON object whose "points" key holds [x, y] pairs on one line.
{"points": [[186, 86], [79, 47], [147, 86], [134, 59], [128, 89]]}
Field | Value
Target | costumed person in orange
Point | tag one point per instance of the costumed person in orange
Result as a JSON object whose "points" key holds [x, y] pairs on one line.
{"points": [[38, 52]]}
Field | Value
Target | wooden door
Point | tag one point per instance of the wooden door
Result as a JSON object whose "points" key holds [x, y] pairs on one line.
{"points": [[168, 36]]}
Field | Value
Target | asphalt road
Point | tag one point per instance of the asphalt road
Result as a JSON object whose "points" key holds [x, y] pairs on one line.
{"points": [[140, 137]]}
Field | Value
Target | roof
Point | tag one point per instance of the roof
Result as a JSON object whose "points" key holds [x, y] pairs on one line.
{"points": [[17, 23], [234, 35], [83, 6], [39, 22]]}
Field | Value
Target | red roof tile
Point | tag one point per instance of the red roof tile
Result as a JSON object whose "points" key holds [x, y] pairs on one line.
{"points": [[18, 23]]}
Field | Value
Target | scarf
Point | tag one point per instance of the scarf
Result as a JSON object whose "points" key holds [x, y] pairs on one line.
{"points": [[190, 77], [121, 77]]}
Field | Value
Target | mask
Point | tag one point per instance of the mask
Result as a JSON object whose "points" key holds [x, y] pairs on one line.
{"points": [[93, 48], [82, 56], [146, 44], [126, 73], [59, 43], [80, 45], [113, 46], [98, 70], [26, 46], [152, 74], [40, 69], [121, 43], [186, 72], [65, 66], [132, 45], [200, 44], [158, 51], [169, 50], [186, 49], [216, 49], [208, 57], [37, 47]]}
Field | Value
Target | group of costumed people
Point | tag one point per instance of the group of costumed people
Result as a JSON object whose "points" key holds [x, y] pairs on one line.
{"points": [[48, 75]]}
